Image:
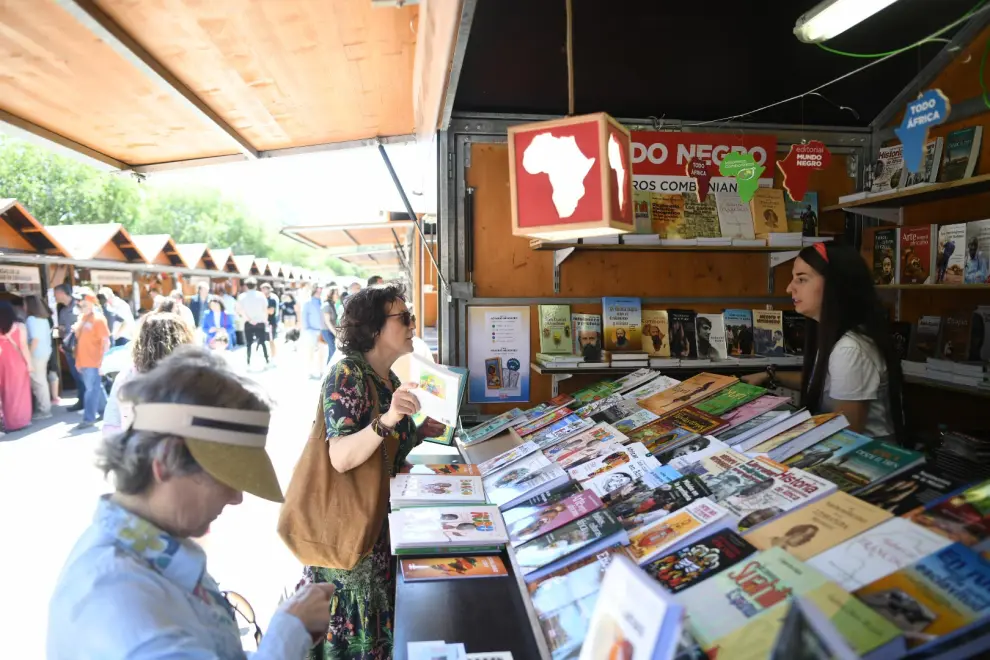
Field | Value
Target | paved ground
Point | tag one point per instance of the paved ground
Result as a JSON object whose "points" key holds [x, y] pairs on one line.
{"points": [[49, 488]]}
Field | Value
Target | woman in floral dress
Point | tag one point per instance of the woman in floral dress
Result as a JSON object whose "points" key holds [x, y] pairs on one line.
{"points": [[375, 329]]}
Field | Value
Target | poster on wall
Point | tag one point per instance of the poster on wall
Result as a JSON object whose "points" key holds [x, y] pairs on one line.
{"points": [[111, 277], [498, 354]]}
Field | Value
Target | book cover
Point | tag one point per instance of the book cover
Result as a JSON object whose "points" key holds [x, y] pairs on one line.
{"points": [[821, 525], [634, 617], [794, 324], [730, 398], [977, 265], [591, 440], [787, 491], [572, 582], [916, 488], [769, 212], [868, 464], [451, 568], [635, 420], [621, 456], [589, 410], [410, 489], [768, 332], [619, 410], [531, 415], [802, 217], [544, 420], [491, 428], [552, 516], [929, 167], [641, 212], [621, 475], [888, 169], [505, 458], [701, 218], [438, 389], [953, 344], [533, 483], [924, 339], [656, 333], [465, 469], [667, 216], [560, 430], [711, 337], [698, 561], [555, 329], [712, 464], [961, 153], [734, 217], [877, 552], [835, 446], [565, 629], [661, 434], [938, 596], [533, 504], [726, 602], [594, 392], [660, 475], [806, 434], [664, 535], [689, 457], [884, 255], [950, 263], [453, 526], [623, 324], [751, 410], [752, 476], [567, 540], [515, 472], [634, 379], [683, 338], [694, 420], [586, 334], [658, 384], [644, 503], [687, 393], [961, 518], [918, 254], [739, 331]]}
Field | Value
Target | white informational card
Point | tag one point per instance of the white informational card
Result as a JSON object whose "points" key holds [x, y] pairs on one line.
{"points": [[438, 389], [498, 354]]}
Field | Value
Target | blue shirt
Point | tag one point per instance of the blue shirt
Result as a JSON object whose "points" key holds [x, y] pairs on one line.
{"points": [[313, 315], [39, 328], [130, 590]]}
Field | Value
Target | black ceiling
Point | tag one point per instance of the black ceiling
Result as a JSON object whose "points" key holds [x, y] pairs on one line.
{"points": [[688, 59]]}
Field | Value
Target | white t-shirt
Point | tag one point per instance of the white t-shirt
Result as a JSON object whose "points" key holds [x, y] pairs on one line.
{"points": [[857, 372], [255, 306]]}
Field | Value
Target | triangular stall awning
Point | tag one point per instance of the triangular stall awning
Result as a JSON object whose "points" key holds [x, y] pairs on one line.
{"points": [[102, 242], [159, 249], [20, 232]]}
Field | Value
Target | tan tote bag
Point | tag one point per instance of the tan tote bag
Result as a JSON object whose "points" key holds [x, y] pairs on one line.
{"points": [[332, 519]]}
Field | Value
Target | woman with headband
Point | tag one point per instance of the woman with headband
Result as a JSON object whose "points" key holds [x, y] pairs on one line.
{"points": [[136, 585], [849, 362]]}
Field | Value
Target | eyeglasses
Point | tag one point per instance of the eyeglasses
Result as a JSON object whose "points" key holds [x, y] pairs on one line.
{"points": [[407, 318], [240, 605]]}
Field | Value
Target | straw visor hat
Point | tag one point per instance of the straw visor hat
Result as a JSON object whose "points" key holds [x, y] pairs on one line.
{"points": [[228, 443]]}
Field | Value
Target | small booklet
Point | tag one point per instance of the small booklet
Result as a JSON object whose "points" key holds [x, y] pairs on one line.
{"points": [[452, 568], [438, 389]]}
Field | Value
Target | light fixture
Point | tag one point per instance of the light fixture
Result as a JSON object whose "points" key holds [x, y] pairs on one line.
{"points": [[832, 17]]}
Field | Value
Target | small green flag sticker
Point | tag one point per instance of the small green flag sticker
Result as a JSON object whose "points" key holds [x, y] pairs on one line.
{"points": [[747, 173]]}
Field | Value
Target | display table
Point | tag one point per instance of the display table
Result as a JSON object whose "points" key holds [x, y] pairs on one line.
{"points": [[485, 614]]}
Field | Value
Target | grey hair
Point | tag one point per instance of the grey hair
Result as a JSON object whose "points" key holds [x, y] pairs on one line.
{"points": [[190, 375]]}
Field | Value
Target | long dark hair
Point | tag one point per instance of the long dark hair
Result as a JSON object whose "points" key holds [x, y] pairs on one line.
{"points": [[849, 303]]}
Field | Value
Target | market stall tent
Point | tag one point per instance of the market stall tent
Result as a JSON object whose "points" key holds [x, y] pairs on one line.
{"points": [[245, 264], [109, 242], [197, 255], [159, 249], [20, 232]]}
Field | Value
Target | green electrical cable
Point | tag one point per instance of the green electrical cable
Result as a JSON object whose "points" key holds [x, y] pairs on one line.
{"points": [[983, 66], [962, 19]]}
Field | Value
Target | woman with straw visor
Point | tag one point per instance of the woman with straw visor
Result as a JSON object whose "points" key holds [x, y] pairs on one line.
{"points": [[136, 585]]}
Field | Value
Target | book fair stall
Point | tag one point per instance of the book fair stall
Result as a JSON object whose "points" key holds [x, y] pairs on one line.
{"points": [[611, 282]]}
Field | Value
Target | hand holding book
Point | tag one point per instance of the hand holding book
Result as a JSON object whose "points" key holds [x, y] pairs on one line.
{"points": [[403, 403]]}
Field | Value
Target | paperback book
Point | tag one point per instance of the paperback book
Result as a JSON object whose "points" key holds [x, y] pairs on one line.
{"points": [[438, 389], [621, 456], [658, 384], [734, 217], [730, 398], [490, 429], [620, 410], [739, 331], [633, 380], [692, 419], [585, 445], [544, 420], [687, 393], [866, 465], [747, 411], [794, 440], [496, 463], [834, 446], [884, 255], [929, 166], [888, 169], [656, 333], [802, 216], [446, 529], [769, 212], [410, 490], [531, 415], [550, 476], [683, 338], [950, 263], [962, 518], [794, 325], [665, 535], [586, 411], [555, 329], [667, 215], [660, 435], [560, 430], [515, 472], [623, 324], [711, 337], [918, 254], [735, 435], [452, 568], [582, 538], [644, 504], [689, 458], [924, 339], [821, 525], [586, 334], [914, 489], [977, 265], [462, 469], [698, 561], [962, 152], [768, 332], [529, 507], [785, 492], [549, 517], [701, 218], [621, 475]]}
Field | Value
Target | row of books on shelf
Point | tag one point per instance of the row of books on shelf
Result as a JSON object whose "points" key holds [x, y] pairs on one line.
{"points": [[633, 333], [953, 349], [635, 360], [774, 239], [711, 515], [950, 159], [956, 253]]}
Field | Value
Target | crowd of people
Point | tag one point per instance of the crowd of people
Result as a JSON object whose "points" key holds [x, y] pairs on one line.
{"points": [[96, 334]]}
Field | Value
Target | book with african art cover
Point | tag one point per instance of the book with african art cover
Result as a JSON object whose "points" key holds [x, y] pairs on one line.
{"points": [[687, 393], [452, 568], [700, 560], [656, 333]]}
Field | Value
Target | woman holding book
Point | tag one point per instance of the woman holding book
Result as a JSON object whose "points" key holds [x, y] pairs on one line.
{"points": [[368, 411], [849, 363]]}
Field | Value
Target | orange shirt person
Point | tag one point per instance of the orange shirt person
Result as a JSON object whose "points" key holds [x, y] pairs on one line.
{"points": [[92, 342]]}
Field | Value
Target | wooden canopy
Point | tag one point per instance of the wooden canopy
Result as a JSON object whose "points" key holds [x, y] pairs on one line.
{"points": [[351, 235], [245, 264], [377, 259], [197, 255], [159, 249], [20, 232], [109, 242], [224, 259]]}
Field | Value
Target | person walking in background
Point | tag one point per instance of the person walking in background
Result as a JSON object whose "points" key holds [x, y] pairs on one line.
{"points": [[313, 327], [200, 303], [253, 306], [92, 341], [67, 319], [273, 307], [181, 309], [15, 371], [218, 326], [329, 311], [375, 280], [120, 313], [39, 337], [230, 306]]}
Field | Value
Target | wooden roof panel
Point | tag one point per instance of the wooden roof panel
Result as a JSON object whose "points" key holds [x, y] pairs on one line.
{"points": [[19, 230], [197, 255]]}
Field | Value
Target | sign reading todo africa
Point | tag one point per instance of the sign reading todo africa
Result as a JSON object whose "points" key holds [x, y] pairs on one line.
{"points": [[929, 110]]}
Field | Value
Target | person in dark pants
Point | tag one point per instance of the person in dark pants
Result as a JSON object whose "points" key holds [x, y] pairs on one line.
{"points": [[66, 319], [329, 311], [273, 307], [252, 305]]}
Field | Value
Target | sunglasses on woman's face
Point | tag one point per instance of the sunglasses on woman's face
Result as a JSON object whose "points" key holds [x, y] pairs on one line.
{"points": [[240, 606], [407, 318]]}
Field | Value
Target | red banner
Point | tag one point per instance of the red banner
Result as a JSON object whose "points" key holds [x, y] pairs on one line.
{"points": [[667, 154]]}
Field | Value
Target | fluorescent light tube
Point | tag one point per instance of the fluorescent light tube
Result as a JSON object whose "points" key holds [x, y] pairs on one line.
{"points": [[832, 17]]}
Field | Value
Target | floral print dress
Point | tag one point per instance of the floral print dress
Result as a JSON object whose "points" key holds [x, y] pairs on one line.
{"points": [[362, 606]]}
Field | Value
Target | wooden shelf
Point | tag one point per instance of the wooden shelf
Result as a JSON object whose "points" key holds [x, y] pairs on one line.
{"points": [[948, 387], [930, 193], [618, 371], [546, 245], [934, 287]]}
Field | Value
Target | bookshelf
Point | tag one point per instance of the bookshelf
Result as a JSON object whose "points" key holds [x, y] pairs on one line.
{"points": [[931, 193], [948, 387], [933, 287]]}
